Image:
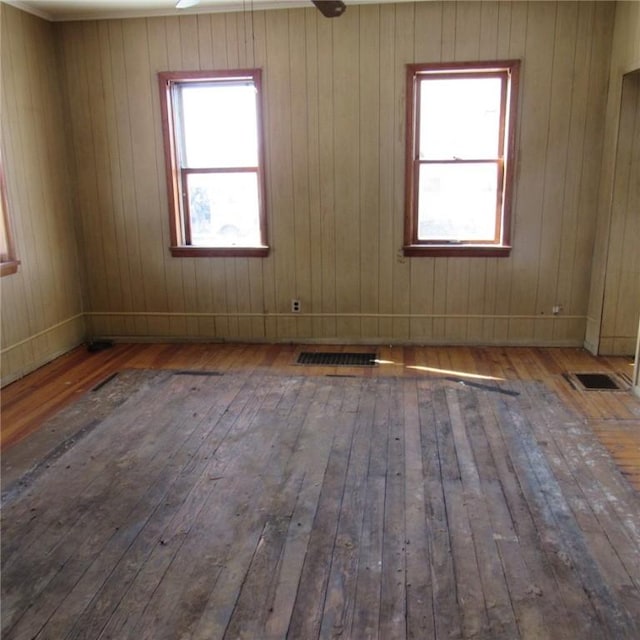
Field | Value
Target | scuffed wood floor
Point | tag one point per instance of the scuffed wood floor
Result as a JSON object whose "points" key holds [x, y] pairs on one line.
{"points": [[614, 417], [254, 505]]}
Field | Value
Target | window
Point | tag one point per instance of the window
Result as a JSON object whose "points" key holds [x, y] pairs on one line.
{"points": [[8, 262], [460, 157], [214, 159]]}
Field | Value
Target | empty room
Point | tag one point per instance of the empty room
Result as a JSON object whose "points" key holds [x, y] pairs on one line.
{"points": [[320, 319]]}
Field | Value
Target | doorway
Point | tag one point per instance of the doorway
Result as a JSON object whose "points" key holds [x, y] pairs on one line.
{"points": [[621, 302]]}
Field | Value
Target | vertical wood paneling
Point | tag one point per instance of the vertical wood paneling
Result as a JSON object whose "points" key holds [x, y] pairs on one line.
{"points": [[118, 180], [582, 69], [279, 170], [388, 250], [404, 28], [346, 178], [112, 292], [41, 303], [313, 169], [263, 283], [334, 116], [156, 37], [369, 154], [129, 213], [300, 166], [327, 172], [534, 138], [554, 210], [138, 86]]}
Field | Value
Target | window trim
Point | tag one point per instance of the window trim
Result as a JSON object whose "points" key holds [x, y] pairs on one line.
{"points": [[413, 247], [8, 263], [175, 176]]}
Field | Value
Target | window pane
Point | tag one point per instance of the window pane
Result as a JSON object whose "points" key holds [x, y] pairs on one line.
{"points": [[457, 202], [459, 118], [224, 209], [219, 125]]}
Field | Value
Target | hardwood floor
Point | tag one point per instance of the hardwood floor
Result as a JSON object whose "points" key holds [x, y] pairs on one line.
{"points": [[445, 493], [614, 417]]}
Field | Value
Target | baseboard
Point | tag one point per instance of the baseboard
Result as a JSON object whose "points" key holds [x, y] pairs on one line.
{"points": [[392, 342], [33, 352]]}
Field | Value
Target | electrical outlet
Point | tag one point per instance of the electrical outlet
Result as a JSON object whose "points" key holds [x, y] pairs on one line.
{"points": [[556, 309], [295, 306]]}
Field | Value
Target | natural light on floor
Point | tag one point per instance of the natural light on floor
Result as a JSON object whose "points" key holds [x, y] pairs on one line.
{"points": [[446, 372], [458, 374]]}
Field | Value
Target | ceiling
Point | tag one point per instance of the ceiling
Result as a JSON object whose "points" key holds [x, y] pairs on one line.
{"points": [[61, 10]]}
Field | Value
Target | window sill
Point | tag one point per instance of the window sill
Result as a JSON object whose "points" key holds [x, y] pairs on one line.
{"points": [[463, 251], [9, 267], [219, 252]]}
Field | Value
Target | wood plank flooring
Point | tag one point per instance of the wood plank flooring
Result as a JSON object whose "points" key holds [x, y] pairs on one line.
{"points": [[447, 493], [614, 417]]}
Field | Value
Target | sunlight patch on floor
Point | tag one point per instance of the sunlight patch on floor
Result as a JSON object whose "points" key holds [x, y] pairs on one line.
{"points": [[448, 372]]}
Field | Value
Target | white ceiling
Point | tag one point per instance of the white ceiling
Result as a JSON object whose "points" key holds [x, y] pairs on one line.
{"points": [[60, 10]]}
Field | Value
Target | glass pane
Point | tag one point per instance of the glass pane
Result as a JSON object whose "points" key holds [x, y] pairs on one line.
{"points": [[219, 125], [224, 209], [459, 118], [457, 202]]}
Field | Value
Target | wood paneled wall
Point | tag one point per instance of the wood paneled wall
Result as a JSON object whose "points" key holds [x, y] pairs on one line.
{"points": [[334, 110], [604, 321], [335, 135], [41, 303]]}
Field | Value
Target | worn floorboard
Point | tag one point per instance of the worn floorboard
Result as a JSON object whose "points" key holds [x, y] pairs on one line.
{"points": [[267, 504]]}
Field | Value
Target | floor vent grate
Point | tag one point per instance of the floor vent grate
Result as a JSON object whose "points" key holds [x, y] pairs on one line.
{"points": [[596, 382], [333, 359]]}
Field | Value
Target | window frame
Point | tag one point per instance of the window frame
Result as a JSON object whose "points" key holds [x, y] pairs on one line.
{"points": [[176, 176], [501, 246], [8, 262]]}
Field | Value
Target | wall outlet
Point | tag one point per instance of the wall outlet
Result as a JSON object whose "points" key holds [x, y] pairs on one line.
{"points": [[556, 309], [295, 306]]}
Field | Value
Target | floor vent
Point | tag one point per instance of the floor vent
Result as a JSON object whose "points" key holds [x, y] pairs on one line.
{"points": [[596, 382], [333, 359]]}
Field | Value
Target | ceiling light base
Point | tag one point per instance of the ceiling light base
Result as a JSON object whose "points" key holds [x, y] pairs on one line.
{"points": [[330, 8]]}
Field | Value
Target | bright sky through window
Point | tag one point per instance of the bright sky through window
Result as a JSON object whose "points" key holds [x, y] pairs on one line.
{"points": [[460, 118], [220, 125]]}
